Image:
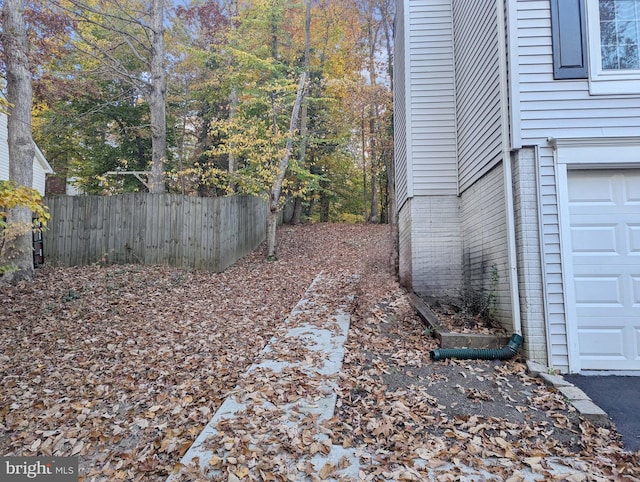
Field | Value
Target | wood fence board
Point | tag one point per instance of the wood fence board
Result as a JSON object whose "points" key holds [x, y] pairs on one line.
{"points": [[203, 238], [110, 210], [176, 245], [149, 240], [95, 233], [67, 218], [75, 219], [159, 253], [184, 233]]}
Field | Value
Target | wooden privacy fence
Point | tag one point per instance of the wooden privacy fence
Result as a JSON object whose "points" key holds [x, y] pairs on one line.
{"points": [[170, 229]]}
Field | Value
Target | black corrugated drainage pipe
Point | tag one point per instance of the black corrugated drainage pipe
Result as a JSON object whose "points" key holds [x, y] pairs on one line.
{"points": [[504, 353]]}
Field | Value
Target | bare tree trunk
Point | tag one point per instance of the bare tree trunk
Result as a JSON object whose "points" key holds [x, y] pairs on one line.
{"points": [[387, 11], [276, 188], [373, 217], [21, 146], [157, 100], [392, 210], [296, 217], [232, 7], [275, 28], [373, 120], [233, 159], [181, 152], [297, 206], [297, 202], [325, 204], [364, 165]]}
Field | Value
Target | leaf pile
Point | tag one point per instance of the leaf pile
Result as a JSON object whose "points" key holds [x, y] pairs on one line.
{"points": [[124, 365]]}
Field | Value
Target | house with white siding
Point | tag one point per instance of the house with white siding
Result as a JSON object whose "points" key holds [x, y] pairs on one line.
{"points": [[517, 143], [40, 165]]}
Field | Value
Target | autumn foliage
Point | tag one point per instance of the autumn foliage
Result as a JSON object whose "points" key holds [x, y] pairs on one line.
{"points": [[231, 75], [11, 196]]}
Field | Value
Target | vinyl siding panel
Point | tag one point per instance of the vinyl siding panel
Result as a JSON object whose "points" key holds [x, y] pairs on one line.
{"points": [[39, 177], [562, 108], [39, 174], [552, 266], [400, 109], [431, 136], [477, 72]]}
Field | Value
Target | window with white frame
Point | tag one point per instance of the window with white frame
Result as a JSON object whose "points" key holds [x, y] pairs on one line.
{"points": [[614, 46]]}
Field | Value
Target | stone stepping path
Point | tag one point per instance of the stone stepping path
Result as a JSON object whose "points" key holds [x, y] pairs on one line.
{"points": [[273, 425]]}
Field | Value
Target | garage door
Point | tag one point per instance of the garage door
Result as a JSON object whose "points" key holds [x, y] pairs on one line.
{"points": [[604, 208]]}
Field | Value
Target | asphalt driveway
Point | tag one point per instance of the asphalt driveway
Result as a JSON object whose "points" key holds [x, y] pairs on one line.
{"points": [[619, 396]]}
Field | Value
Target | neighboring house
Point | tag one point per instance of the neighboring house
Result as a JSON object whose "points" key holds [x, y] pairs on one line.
{"points": [[40, 165], [518, 168]]}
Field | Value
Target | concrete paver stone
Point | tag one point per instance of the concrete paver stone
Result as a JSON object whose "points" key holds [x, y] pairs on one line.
{"points": [[573, 393], [535, 368], [554, 380], [592, 412]]}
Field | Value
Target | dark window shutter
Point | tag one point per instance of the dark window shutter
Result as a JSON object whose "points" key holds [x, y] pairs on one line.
{"points": [[569, 37]]}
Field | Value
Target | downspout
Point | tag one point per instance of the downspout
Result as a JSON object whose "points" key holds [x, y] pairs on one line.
{"points": [[511, 242], [508, 176]]}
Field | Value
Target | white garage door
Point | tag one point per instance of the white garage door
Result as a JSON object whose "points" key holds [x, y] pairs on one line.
{"points": [[604, 207]]}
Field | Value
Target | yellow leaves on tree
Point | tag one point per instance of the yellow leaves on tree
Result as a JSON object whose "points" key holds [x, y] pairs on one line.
{"points": [[12, 196]]}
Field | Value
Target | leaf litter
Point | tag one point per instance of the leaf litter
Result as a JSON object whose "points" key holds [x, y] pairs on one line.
{"points": [[123, 366]]}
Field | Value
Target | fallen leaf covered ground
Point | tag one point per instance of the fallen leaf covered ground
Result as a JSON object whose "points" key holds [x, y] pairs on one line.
{"points": [[124, 365]]}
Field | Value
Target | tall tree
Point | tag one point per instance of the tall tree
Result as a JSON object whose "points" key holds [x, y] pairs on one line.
{"points": [[386, 8], [276, 187], [387, 13], [126, 44], [198, 88], [232, 8], [297, 203], [15, 48], [157, 92], [373, 27]]}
